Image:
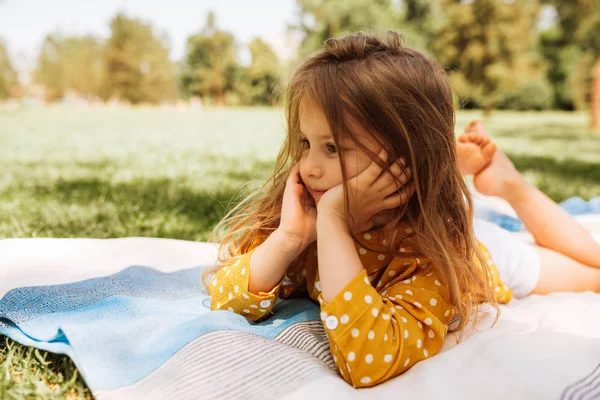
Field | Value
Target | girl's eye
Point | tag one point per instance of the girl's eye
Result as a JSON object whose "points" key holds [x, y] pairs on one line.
{"points": [[304, 143], [332, 149]]}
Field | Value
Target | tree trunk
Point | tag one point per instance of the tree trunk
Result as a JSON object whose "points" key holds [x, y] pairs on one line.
{"points": [[595, 104]]}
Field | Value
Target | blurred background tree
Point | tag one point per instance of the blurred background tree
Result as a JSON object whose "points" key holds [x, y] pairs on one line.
{"points": [[210, 69], [137, 65], [8, 75], [489, 46]]}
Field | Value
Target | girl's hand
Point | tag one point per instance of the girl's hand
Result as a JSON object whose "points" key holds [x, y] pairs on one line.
{"points": [[371, 191], [298, 211]]}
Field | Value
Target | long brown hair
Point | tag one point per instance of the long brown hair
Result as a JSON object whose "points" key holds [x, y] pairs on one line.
{"points": [[403, 97]]}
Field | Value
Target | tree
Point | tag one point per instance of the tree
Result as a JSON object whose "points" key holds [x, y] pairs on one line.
{"points": [[8, 75], [319, 20], [579, 22], [210, 68], [489, 46], [137, 65], [264, 73]]}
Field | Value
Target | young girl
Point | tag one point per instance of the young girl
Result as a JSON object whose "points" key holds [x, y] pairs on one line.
{"points": [[368, 214]]}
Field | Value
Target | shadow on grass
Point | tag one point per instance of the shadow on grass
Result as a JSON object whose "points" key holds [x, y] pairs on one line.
{"points": [[566, 169], [144, 207], [547, 131]]}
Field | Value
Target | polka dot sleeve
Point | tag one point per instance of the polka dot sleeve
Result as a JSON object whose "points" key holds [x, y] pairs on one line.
{"points": [[228, 290], [374, 337]]}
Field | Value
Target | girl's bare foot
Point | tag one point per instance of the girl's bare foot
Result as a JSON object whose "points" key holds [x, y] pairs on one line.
{"points": [[474, 148], [498, 177]]}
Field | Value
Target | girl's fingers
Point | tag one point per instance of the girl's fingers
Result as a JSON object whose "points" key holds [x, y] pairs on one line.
{"points": [[399, 198], [393, 179], [374, 170]]}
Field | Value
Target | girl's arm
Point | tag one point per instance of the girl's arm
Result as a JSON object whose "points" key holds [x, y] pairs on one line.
{"points": [[270, 260], [250, 286]]}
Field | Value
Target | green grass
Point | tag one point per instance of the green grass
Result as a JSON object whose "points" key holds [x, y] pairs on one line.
{"points": [[106, 173]]}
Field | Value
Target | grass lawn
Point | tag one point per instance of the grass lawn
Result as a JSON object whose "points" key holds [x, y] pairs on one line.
{"points": [[106, 173]]}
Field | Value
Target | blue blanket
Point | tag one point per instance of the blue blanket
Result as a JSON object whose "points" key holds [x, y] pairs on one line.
{"points": [[133, 332]]}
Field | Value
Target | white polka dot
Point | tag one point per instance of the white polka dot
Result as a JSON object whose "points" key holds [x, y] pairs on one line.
{"points": [[236, 263], [398, 296], [371, 335], [265, 303], [369, 358], [433, 302], [344, 319], [367, 236], [368, 299], [419, 343], [446, 313], [428, 321], [218, 305], [318, 285], [230, 296], [253, 306], [497, 288], [407, 362], [381, 257], [414, 278], [404, 319], [437, 283], [323, 315], [398, 307], [429, 274], [379, 284], [384, 242], [431, 333], [408, 230], [375, 312], [408, 291], [214, 282], [334, 358], [405, 333], [425, 353], [355, 332], [351, 356], [387, 358], [362, 251], [365, 380], [392, 310], [370, 279], [417, 304], [243, 271], [402, 249], [246, 311], [385, 316], [221, 289], [392, 273], [236, 288], [420, 324], [367, 281], [406, 281], [385, 337], [230, 309], [261, 310], [245, 296], [347, 296]]}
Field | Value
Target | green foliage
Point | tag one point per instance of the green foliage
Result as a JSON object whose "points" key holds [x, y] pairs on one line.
{"points": [[210, 69], [262, 78], [8, 76], [488, 45], [323, 19], [69, 63], [532, 95], [137, 64]]}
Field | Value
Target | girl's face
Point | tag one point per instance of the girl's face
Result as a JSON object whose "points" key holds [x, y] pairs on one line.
{"points": [[320, 166]]}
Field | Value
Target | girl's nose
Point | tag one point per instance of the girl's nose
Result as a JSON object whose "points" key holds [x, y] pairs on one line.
{"points": [[310, 168]]}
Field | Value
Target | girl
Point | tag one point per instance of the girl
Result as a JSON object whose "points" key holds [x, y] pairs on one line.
{"points": [[371, 216]]}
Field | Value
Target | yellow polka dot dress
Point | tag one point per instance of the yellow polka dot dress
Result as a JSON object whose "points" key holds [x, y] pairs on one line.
{"points": [[393, 314]]}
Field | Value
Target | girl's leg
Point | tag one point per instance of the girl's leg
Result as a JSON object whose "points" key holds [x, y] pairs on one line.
{"points": [[551, 226], [559, 273]]}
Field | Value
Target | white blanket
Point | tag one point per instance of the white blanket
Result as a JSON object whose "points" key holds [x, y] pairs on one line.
{"points": [[543, 347]]}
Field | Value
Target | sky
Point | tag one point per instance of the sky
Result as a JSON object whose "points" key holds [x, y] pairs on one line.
{"points": [[25, 23]]}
